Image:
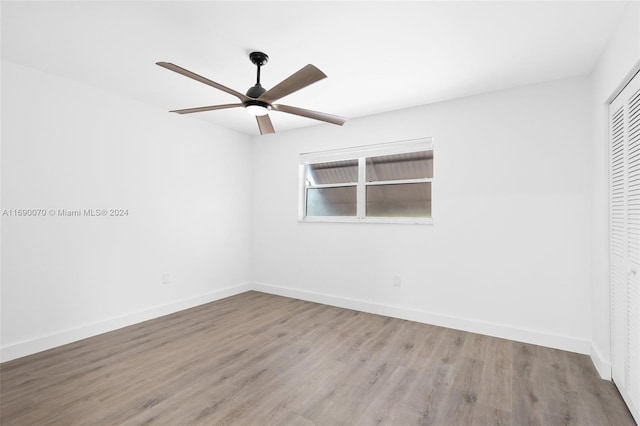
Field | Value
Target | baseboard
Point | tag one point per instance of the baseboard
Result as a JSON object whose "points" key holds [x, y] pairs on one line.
{"points": [[602, 367], [32, 346], [535, 337]]}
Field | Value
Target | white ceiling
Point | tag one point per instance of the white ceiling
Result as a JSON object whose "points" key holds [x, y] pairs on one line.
{"points": [[379, 56]]}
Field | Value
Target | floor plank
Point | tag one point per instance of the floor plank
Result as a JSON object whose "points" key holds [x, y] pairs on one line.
{"points": [[259, 359]]}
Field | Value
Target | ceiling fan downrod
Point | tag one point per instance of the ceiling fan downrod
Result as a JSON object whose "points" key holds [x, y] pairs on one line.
{"points": [[258, 59]]}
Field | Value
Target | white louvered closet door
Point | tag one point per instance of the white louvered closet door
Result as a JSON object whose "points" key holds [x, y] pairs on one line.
{"points": [[624, 119]]}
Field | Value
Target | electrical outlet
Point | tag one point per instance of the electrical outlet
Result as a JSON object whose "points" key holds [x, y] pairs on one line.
{"points": [[397, 281], [166, 278]]}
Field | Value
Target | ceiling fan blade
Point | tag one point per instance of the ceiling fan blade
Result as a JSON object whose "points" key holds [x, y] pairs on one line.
{"points": [[201, 79], [329, 118], [206, 108], [264, 123], [302, 78]]}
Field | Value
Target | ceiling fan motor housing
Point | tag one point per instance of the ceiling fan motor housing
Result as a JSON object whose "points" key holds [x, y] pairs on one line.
{"points": [[255, 91]]}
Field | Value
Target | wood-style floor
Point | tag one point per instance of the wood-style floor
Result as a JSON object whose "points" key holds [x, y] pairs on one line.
{"points": [[258, 359]]}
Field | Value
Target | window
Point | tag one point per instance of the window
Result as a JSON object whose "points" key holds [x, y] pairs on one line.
{"points": [[387, 183]]}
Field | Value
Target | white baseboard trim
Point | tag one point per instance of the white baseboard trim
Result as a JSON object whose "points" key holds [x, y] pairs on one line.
{"points": [[602, 367], [32, 346], [535, 337], [39, 344]]}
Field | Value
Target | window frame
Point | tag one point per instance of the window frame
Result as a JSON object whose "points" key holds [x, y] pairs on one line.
{"points": [[361, 153]]}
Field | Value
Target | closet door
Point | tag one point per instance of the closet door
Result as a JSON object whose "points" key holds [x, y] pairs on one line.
{"points": [[624, 119]]}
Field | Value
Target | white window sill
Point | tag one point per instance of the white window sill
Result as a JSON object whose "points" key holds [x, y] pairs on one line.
{"points": [[346, 219]]}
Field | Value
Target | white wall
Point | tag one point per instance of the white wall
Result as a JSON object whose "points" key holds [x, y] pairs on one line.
{"points": [[185, 183], [621, 56], [519, 212], [509, 251]]}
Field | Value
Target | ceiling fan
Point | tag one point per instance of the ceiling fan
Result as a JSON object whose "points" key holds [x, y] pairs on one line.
{"points": [[258, 101]]}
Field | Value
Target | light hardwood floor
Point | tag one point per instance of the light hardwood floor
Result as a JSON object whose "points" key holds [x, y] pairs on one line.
{"points": [[258, 359]]}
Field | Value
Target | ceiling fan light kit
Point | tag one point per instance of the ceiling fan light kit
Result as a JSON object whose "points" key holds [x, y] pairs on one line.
{"points": [[258, 101], [257, 109]]}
